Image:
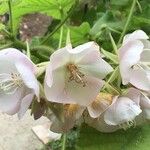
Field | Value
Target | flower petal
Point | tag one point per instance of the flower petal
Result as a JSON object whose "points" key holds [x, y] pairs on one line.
{"points": [[10, 103], [60, 57], [77, 94], [99, 124], [98, 69], [25, 103], [28, 77], [140, 79], [123, 110], [129, 56], [134, 95], [99, 105], [10, 55], [136, 35]]}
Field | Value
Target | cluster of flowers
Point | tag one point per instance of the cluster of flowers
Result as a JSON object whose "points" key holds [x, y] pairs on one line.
{"points": [[74, 78]]}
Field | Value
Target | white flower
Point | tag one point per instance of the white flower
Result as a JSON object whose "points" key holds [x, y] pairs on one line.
{"points": [[120, 113], [74, 76], [134, 56], [18, 84]]}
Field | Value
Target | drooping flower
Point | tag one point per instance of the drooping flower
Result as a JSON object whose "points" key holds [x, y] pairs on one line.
{"points": [[120, 113], [18, 83], [134, 56], [74, 76], [72, 116]]}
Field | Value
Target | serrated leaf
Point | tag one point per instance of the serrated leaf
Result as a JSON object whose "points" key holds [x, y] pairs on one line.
{"points": [[131, 139]]}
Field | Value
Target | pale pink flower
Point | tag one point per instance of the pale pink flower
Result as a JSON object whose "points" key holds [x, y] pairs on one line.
{"points": [[18, 83], [134, 56], [74, 76], [121, 113], [72, 116]]}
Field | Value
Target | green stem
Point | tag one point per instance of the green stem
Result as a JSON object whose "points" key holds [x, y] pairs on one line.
{"points": [[128, 21], [64, 142], [61, 37], [11, 17], [113, 44], [61, 24]]}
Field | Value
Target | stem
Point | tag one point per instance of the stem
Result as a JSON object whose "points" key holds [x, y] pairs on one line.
{"points": [[11, 17], [113, 44], [61, 37], [128, 21], [64, 142], [61, 24]]}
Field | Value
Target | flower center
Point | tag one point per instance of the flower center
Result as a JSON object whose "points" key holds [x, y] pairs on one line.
{"points": [[9, 83], [75, 74]]}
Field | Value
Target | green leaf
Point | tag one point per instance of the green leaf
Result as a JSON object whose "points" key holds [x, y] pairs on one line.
{"points": [[112, 57], [107, 20], [78, 35], [49, 7], [131, 139]]}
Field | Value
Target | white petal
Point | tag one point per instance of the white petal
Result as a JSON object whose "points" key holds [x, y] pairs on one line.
{"points": [[123, 110], [78, 94], [140, 79], [134, 95], [99, 105], [28, 77], [98, 69], [129, 56], [145, 101], [136, 35], [62, 91], [99, 124], [25, 103], [10, 55], [60, 57], [10, 103], [54, 85], [145, 56]]}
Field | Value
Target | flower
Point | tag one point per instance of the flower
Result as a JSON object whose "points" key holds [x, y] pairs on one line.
{"points": [[18, 83], [72, 116], [134, 56], [120, 113], [74, 76]]}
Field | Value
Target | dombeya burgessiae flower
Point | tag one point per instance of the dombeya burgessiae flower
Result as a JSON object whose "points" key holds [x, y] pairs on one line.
{"points": [[134, 56], [18, 83], [74, 75]]}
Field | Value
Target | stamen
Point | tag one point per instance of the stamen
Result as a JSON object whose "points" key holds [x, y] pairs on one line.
{"points": [[128, 124], [9, 83], [75, 74]]}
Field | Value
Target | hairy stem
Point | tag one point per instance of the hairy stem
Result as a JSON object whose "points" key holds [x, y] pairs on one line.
{"points": [[128, 21]]}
